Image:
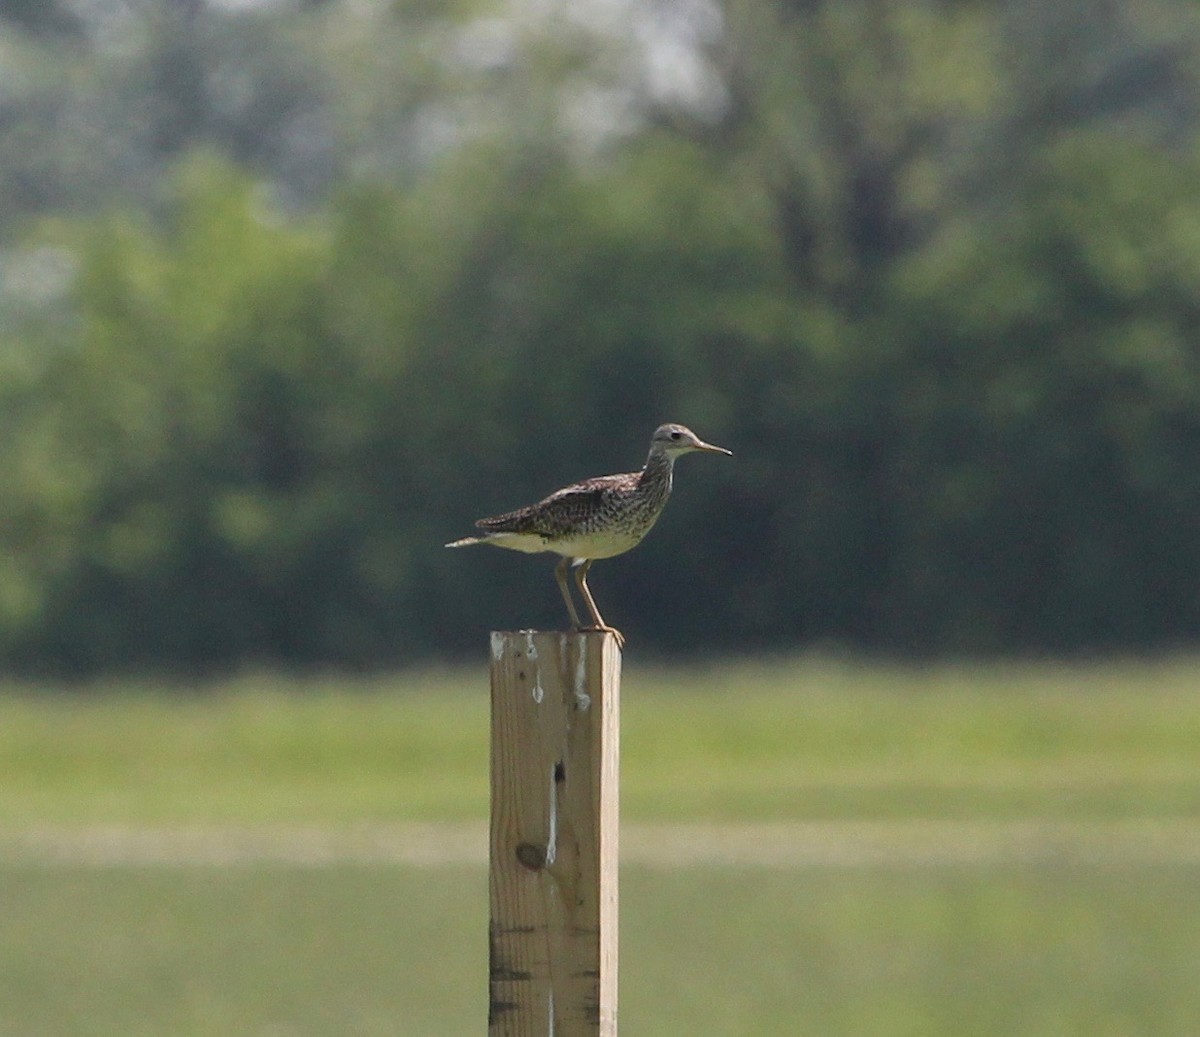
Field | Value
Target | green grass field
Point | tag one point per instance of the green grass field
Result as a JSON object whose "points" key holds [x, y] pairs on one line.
{"points": [[907, 943]]}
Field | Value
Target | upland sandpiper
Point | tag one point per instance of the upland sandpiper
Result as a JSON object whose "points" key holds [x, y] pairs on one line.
{"points": [[596, 518]]}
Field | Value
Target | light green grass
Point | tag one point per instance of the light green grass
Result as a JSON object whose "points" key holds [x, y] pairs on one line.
{"points": [[810, 739], [259, 749], [381, 952], [906, 949]]}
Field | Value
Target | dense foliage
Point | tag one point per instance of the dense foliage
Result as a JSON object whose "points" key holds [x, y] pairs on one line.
{"points": [[941, 301]]}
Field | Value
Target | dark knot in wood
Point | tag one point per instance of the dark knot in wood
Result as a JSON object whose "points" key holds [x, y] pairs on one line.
{"points": [[531, 857]]}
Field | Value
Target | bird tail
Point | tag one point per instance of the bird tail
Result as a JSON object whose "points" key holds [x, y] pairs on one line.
{"points": [[466, 541]]}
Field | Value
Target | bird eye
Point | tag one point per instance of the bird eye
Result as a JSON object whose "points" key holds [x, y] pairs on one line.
{"points": [[676, 435]]}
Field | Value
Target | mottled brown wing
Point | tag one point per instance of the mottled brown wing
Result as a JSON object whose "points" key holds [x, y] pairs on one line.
{"points": [[563, 511]]}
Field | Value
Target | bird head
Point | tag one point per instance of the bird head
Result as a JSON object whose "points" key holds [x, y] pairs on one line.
{"points": [[674, 440]]}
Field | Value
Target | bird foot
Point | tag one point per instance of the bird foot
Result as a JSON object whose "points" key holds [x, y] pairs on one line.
{"points": [[605, 630]]}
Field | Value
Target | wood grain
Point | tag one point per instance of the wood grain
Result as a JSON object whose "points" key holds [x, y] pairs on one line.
{"points": [[553, 869]]}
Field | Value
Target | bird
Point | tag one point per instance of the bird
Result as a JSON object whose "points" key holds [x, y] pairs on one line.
{"points": [[596, 518]]}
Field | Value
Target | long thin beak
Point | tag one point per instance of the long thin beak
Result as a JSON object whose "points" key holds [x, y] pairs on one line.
{"points": [[709, 448]]}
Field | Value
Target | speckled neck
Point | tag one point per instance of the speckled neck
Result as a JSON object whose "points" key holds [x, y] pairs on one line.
{"points": [[656, 476]]}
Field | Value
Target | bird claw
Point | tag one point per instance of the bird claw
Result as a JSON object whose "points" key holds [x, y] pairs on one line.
{"points": [[605, 630]]}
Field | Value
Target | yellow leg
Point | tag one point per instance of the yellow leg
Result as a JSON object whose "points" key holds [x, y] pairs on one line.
{"points": [[560, 574], [597, 620]]}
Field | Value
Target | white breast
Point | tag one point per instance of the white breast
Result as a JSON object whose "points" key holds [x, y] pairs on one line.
{"points": [[585, 545]]}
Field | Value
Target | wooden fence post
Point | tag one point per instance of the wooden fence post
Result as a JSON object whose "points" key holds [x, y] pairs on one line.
{"points": [[553, 872]]}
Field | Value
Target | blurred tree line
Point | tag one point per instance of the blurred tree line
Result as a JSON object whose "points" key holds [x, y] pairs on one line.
{"points": [[293, 291]]}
